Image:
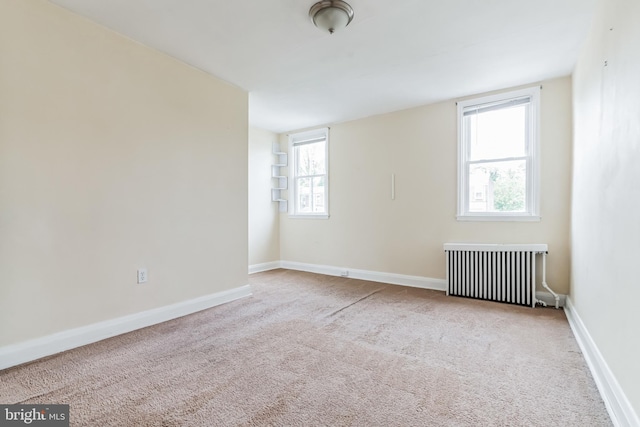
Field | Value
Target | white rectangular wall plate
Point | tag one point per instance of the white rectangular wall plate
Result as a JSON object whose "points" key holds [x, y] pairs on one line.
{"points": [[142, 275]]}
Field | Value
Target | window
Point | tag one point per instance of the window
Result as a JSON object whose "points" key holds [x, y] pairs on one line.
{"points": [[310, 173], [498, 157]]}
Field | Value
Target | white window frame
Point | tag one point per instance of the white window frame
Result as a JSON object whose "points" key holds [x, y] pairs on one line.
{"points": [[301, 138], [532, 154]]}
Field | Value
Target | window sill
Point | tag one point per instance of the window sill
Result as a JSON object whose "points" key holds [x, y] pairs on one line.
{"points": [[298, 216], [500, 218]]}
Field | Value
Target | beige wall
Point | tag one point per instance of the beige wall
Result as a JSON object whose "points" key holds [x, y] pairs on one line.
{"points": [[606, 200], [112, 157], [367, 230], [264, 226]]}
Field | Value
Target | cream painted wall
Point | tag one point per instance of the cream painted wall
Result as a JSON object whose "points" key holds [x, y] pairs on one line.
{"points": [[367, 230], [606, 200], [264, 225], [112, 157]]}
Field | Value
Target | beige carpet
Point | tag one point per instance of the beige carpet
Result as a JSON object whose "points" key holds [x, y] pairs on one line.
{"points": [[311, 350]]}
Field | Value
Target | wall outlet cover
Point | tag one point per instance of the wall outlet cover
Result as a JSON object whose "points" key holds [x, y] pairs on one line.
{"points": [[142, 275]]}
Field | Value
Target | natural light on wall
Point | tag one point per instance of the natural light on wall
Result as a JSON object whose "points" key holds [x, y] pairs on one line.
{"points": [[498, 157]]}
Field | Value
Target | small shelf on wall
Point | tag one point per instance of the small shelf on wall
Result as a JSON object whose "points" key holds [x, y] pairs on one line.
{"points": [[279, 181]]}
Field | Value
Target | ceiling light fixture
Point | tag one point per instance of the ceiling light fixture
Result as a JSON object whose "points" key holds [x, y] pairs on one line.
{"points": [[331, 15]]}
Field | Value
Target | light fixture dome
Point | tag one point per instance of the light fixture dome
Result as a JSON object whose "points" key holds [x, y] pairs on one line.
{"points": [[331, 15]]}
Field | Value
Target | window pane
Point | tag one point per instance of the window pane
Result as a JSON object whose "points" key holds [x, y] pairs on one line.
{"points": [[310, 159], [311, 195], [318, 189], [498, 186], [498, 133], [303, 193]]}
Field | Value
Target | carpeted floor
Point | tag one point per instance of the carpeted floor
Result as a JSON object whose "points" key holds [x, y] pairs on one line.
{"points": [[311, 350]]}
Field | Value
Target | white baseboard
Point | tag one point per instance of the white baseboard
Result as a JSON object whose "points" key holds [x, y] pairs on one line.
{"points": [[265, 266], [374, 276], [620, 410], [28, 351]]}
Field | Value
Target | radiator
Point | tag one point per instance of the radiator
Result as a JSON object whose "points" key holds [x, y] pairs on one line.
{"points": [[503, 273]]}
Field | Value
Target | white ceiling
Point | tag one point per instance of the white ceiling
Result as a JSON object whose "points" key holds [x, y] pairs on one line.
{"points": [[394, 55]]}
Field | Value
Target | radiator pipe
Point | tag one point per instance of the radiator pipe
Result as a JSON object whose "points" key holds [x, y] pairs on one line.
{"points": [[544, 279]]}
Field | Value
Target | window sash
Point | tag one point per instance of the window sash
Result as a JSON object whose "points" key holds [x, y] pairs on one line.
{"points": [[467, 127], [496, 160], [311, 195], [524, 162], [321, 175], [297, 155]]}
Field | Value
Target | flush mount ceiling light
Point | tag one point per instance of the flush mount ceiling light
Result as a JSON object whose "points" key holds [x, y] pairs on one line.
{"points": [[331, 15]]}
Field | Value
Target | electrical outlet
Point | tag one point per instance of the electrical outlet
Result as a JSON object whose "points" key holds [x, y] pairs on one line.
{"points": [[142, 275]]}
